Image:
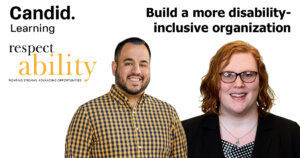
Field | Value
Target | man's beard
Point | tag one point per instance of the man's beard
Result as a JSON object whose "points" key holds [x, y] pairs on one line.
{"points": [[122, 84]]}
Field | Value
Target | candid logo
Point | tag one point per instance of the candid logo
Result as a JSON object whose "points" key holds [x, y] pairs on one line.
{"points": [[41, 59]]}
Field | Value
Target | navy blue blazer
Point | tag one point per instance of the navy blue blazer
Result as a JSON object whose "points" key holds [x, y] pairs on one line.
{"points": [[276, 137]]}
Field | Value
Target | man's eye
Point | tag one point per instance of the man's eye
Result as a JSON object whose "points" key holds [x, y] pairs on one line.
{"points": [[127, 64]]}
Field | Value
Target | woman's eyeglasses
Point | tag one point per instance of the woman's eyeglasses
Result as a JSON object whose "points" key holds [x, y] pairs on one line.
{"points": [[230, 77]]}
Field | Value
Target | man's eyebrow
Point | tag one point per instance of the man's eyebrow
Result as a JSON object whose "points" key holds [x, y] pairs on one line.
{"points": [[128, 59], [144, 61]]}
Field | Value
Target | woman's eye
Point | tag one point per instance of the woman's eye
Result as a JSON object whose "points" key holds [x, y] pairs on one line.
{"points": [[226, 74]]}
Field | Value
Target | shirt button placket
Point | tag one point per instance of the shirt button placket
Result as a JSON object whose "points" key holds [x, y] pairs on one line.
{"points": [[137, 131]]}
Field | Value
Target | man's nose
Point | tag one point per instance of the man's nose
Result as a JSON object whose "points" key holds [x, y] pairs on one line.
{"points": [[136, 69]]}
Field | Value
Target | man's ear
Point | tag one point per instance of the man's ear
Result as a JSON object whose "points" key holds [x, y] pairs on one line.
{"points": [[114, 68]]}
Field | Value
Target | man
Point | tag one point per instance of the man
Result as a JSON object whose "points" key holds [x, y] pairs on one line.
{"points": [[126, 122]]}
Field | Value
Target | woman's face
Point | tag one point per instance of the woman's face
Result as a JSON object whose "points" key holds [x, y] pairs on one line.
{"points": [[238, 97]]}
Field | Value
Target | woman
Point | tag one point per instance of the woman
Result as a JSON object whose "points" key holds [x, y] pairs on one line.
{"points": [[236, 102]]}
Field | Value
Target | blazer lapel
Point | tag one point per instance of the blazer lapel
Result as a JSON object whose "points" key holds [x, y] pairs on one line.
{"points": [[263, 137], [212, 139]]}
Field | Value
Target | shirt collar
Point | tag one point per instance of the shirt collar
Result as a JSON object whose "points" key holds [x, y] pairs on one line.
{"points": [[121, 98]]}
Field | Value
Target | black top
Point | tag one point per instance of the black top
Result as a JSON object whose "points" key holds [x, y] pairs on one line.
{"points": [[276, 137], [231, 150]]}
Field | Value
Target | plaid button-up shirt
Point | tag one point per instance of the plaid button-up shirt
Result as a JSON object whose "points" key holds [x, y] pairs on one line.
{"points": [[109, 127]]}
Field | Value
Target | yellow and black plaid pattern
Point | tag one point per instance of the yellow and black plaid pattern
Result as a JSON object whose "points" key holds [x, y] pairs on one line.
{"points": [[108, 127]]}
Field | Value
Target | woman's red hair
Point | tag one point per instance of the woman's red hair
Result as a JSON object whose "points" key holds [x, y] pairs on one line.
{"points": [[210, 85]]}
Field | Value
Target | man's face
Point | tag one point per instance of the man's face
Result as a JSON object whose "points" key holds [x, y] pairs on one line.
{"points": [[132, 72]]}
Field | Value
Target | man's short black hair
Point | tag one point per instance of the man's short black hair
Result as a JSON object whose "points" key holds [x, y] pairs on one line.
{"points": [[133, 40]]}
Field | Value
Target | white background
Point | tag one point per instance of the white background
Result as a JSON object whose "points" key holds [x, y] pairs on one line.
{"points": [[34, 117]]}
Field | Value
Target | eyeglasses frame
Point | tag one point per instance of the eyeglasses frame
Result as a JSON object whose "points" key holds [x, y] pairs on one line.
{"points": [[238, 74]]}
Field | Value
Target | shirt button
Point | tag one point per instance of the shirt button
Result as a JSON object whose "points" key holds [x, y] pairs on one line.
{"points": [[140, 147], [137, 128]]}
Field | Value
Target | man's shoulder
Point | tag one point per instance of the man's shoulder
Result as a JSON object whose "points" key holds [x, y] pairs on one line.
{"points": [[101, 100], [154, 99], [157, 102], [160, 105]]}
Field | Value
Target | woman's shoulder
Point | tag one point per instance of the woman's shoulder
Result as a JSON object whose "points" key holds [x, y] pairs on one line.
{"points": [[279, 123], [205, 120]]}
